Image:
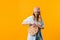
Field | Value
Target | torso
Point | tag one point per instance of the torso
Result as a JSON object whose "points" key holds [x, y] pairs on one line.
{"points": [[35, 21], [34, 29]]}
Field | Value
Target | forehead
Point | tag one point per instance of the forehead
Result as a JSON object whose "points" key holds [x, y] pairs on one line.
{"points": [[36, 9]]}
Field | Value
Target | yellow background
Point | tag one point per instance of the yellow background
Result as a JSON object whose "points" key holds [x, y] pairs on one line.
{"points": [[13, 12]]}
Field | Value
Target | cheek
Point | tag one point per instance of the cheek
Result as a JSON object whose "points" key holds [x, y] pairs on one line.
{"points": [[36, 13]]}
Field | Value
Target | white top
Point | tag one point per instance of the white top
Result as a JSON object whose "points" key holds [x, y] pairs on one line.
{"points": [[29, 20]]}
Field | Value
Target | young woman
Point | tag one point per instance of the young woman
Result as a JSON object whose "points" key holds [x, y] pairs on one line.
{"points": [[35, 22]]}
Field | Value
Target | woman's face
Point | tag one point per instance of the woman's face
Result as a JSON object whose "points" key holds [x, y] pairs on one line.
{"points": [[36, 13]]}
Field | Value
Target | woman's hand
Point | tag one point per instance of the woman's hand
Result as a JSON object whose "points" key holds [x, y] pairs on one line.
{"points": [[38, 25], [34, 25]]}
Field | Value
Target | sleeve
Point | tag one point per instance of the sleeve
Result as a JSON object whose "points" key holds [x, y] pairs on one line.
{"points": [[25, 21], [28, 20], [42, 24]]}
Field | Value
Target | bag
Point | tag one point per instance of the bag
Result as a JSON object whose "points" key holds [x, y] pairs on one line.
{"points": [[33, 30]]}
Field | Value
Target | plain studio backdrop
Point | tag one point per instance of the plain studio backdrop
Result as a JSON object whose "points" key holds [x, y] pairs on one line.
{"points": [[13, 12]]}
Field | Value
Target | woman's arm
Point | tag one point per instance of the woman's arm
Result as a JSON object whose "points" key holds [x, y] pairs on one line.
{"points": [[28, 20], [41, 25]]}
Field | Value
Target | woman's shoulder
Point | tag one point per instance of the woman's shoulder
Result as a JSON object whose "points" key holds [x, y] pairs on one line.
{"points": [[30, 16]]}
